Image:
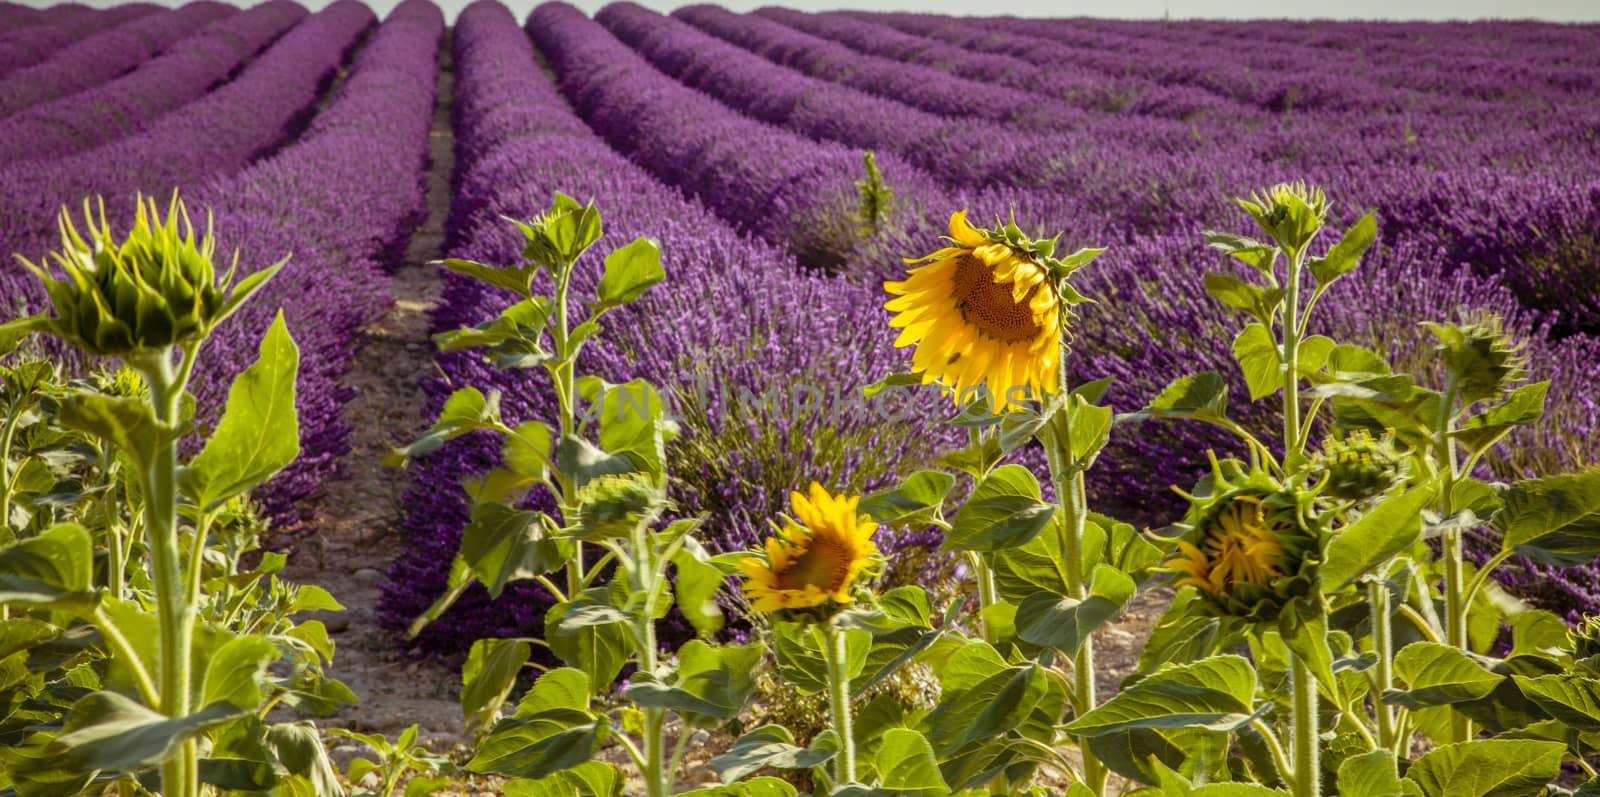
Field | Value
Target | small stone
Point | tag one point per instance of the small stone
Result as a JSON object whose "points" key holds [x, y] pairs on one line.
{"points": [[336, 622], [368, 576]]}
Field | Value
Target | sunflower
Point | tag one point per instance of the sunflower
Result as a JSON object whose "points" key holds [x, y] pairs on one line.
{"points": [[815, 558], [986, 313], [1239, 548], [1251, 547]]}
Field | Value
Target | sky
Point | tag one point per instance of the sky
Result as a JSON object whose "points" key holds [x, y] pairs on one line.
{"points": [[1552, 10]]}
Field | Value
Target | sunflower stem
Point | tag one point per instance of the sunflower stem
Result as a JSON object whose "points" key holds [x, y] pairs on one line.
{"points": [[180, 775], [1383, 646], [1455, 592], [835, 651], [1071, 493], [1293, 441], [567, 402], [1307, 781]]}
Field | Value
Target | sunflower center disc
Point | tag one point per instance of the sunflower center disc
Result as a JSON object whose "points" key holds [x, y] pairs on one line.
{"points": [[823, 565], [988, 305]]}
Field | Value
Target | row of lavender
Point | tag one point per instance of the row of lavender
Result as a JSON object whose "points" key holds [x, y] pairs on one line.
{"points": [[343, 199], [1142, 173], [733, 315], [59, 27], [114, 109], [215, 135], [104, 55], [1148, 306]]}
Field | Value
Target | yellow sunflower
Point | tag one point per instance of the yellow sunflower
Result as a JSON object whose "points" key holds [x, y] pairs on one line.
{"points": [[983, 314], [815, 558], [1239, 548]]}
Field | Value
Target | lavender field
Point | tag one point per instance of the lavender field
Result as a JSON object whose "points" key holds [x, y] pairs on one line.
{"points": [[370, 148]]}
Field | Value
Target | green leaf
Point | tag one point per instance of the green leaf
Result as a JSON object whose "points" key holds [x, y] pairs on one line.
{"points": [[766, 746], [1258, 301], [920, 494], [52, 569], [563, 687], [1062, 623], [236, 671], [1376, 772], [906, 764], [582, 461], [697, 584], [1488, 768], [1374, 539], [465, 411], [711, 682], [486, 679], [126, 423], [1000, 699], [632, 425], [502, 545], [1438, 675], [1522, 407], [539, 745], [598, 650], [1345, 255], [757, 787], [1574, 699], [512, 279], [1202, 396], [109, 732], [1215, 693], [1258, 255], [527, 449], [312, 598], [1004, 511], [1257, 354], [1555, 519], [592, 779], [800, 659], [259, 433], [299, 749], [629, 272]]}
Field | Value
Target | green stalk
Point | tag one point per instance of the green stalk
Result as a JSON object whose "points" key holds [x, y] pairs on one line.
{"points": [[1455, 593], [1293, 441], [646, 580], [567, 399], [174, 614], [1072, 495], [1383, 673], [1307, 781], [6, 476], [987, 595], [116, 579], [836, 653]]}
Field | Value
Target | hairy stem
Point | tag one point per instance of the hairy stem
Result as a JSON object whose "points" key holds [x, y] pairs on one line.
{"points": [[1383, 672], [1307, 748], [836, 653]]}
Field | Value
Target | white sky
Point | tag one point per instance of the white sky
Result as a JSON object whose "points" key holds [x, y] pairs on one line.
{"points": [[1554, 10]]}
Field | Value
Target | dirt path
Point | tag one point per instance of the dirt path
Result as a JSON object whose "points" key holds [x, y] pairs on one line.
{"points": [[352, 540]]}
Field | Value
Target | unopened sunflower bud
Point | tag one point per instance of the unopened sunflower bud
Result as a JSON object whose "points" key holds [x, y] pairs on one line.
{"points": [[560, 235], [609, 506], [122, 383], [154, 289], [1292, 213], [1357, 467], [1481, 356]]}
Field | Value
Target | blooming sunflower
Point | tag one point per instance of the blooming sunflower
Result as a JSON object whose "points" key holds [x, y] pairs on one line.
{"points": [[986, 312], [815, 558], [1251, 548]]}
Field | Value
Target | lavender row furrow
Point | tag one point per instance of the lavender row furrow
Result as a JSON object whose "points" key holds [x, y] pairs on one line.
{"points": [[211, 137], [104, 56], [62, 26], [763, 179], [727, 312], [343, 201], [129, 103]]}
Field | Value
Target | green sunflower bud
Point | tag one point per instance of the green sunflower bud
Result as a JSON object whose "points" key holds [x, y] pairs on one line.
{"points": [[609, 506], [154, 289], [122, 383], [560, 235], [1250, 547], [1484, 360], [1357, 467], [1292, 213], [1586, 638]]}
